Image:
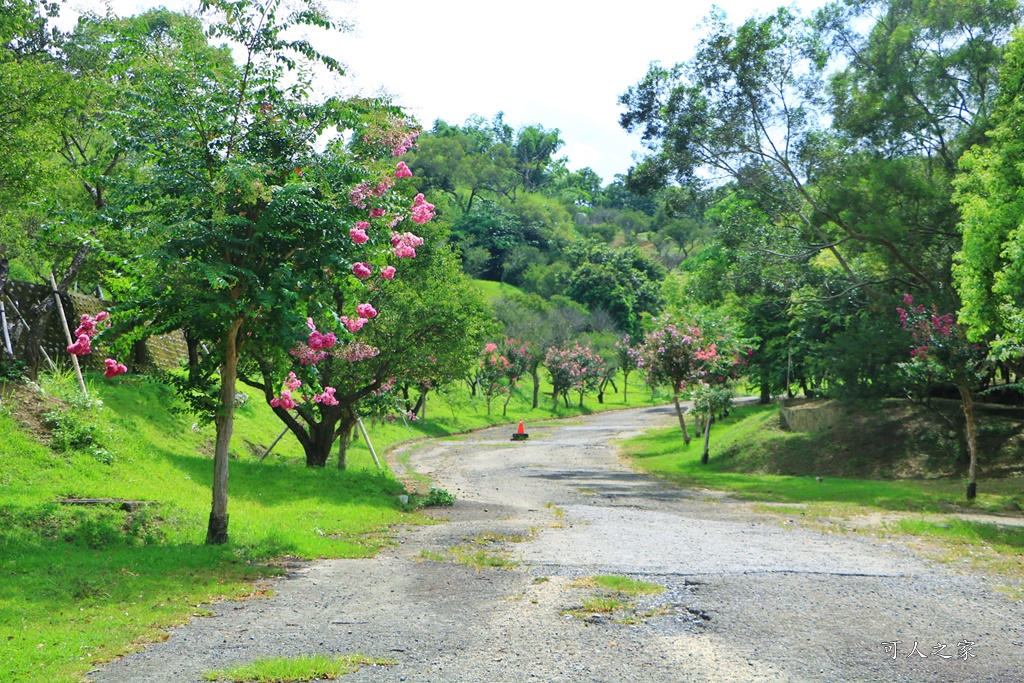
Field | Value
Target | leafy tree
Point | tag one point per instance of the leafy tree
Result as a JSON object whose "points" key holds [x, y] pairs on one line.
{"points": [[679, 357], [256, 224], [573, 368], [989, 270], [623, 282], [943, 355]]}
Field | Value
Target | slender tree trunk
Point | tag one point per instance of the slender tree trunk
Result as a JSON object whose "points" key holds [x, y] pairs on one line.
{"points": [[536, 387], [972, 439], [625, 388], [217, 531], [504, 408], [707, 438], [682, 420]]}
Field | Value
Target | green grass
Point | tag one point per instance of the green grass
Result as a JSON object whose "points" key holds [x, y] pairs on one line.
{"points": [[495, 290], [748, 430], [296, 669], [626, 585], [79, 586]]}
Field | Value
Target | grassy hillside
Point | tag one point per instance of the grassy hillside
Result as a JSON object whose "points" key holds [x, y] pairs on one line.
{"points": [[79, 585], [891, 456], [495, 290]]}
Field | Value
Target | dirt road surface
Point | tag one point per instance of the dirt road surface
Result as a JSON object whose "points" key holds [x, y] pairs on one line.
{"points": [[749, 597]]}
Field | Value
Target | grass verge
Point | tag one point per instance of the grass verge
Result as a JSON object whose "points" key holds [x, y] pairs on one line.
{"points": [[295, 669]]}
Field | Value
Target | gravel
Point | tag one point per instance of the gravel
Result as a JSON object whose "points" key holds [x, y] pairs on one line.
{"points": [[747, 598]]}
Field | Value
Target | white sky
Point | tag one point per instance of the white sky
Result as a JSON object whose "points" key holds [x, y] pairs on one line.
{"points": [[558, 63]]}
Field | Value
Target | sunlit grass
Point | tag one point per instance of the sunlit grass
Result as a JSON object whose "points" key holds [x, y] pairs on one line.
{"points": [[295, 669]]}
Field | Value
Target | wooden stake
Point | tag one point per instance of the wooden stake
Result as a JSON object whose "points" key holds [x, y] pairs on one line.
{"points": [[366, 437], [279, 437], [21, 318], [67, 333]]}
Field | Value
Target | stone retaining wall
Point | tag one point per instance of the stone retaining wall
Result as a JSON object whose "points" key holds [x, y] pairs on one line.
{"points": [[809, 415]]}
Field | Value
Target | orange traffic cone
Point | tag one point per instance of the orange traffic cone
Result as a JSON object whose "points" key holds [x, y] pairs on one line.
{"points": [[520, 434]]}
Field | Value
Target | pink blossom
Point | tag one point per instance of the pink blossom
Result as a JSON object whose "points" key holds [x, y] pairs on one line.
{"points": [[353, 325], [81, 347], [321, 342], [326, 398], [284, 401], [306, 355], [88, 326], [362, 270], [101, 316], [356, 351], [383, 186], [358, 236], [490, 348], [359, 193], [377, 213], [363, 225], [113, 368], [907, 299], [366, 311], [422, 210], [293, 382], [402, 171], [405, 244], [388, 273], [310, 324]]}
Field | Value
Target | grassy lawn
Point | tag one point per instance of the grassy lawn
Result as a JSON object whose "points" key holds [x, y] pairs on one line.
{"points": [[80, 585], [743, 450]]}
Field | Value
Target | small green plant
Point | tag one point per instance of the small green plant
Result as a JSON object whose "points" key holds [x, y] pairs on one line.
{"points": [[436, 498], [295, 669], [68, 431], [626, 585], [11, 370], [602, 604]]}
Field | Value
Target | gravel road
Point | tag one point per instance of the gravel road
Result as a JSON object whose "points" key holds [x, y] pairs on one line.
{"points": [[749, 597]]}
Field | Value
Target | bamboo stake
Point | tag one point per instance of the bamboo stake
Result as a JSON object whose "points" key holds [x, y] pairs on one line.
{"points": [[67, 333], [279, 437], [366, 437], [3, 324]]}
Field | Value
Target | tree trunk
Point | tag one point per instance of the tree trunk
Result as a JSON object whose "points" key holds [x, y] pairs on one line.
{"points": [[972, 439], [766, 392], [682, 420], [707, 438], [217, 531], [504, 408], [625, 388], [348, 423], [536, 387]]}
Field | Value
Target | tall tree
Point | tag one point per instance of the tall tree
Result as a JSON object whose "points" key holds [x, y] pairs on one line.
{"points": [[253, 218]]}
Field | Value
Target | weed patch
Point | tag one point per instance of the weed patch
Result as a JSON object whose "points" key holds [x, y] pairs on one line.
{"points": [[295, 669]]}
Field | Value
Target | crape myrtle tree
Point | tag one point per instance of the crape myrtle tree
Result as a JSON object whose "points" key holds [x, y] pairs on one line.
{"points": [[502, 365], [421, 328], [943, 355], [573, 368], [257, 226], [680, 357]]}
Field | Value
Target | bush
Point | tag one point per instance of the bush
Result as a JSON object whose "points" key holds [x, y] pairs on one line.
{"points": [[68, 432]]}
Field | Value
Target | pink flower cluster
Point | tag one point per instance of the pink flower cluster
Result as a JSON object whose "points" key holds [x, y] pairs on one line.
{"points": [[327, 397], [318, 341], [84, 334], [285, 400], [402, 170], [404, 245], [113, 368], [356, 351], [353, 324], [422, 210], [362, 270], [358, 233]]}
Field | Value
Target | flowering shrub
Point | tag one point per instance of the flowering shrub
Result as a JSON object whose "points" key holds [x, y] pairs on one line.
{"points": [[941, 354], [500, 370], [574, 368]]}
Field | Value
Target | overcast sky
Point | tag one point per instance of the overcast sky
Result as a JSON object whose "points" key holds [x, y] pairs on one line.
{"points": [[558, 63]]}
